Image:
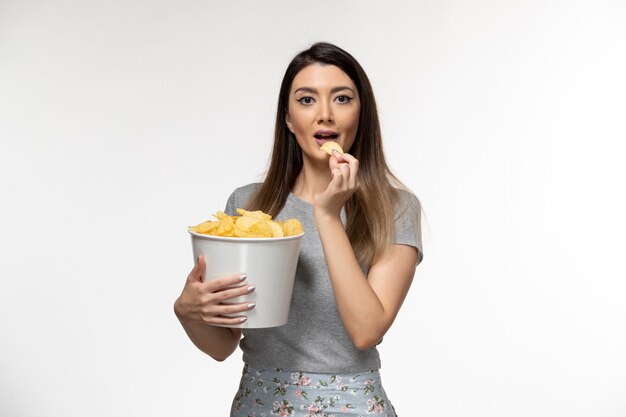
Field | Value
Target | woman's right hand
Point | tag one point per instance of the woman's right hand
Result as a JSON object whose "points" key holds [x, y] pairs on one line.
{"points": [[203, 301]]}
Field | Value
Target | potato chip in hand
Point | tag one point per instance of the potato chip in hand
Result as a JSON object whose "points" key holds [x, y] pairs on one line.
{"points": [[329, 146]]}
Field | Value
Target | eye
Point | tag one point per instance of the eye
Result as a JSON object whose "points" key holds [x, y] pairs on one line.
{"points": [[343, 99], [306, 100]]}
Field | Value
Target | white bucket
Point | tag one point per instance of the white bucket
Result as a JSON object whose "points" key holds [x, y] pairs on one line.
{"points": [[270, 264]]}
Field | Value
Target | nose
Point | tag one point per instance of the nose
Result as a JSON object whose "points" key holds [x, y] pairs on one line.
{"points": [[325, 112]]}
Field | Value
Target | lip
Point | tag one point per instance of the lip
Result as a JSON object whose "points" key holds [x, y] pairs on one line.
{"points": [[324, 135], [325, 132]]}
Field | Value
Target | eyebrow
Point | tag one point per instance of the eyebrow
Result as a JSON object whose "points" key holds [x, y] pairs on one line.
{"points": [[332, 91]]}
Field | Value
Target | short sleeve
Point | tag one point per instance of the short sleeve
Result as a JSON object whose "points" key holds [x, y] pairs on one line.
{"points": [[232, 204], [408, 222], [239, 198]]}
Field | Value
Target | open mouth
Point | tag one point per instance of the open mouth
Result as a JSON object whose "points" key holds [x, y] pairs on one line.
{"points": [[331, 136], [324, 135]]}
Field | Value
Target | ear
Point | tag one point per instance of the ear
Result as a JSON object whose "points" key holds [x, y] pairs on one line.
{"points": [[288, 122]]}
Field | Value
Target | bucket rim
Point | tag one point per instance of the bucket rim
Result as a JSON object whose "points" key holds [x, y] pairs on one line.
{"points": [[244, 239]]}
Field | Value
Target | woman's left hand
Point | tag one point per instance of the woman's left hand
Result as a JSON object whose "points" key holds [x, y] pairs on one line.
{"points": [[344, 182]]}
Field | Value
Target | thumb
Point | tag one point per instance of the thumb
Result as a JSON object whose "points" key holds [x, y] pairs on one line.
{"points": [[333, 162], [198, 270], [336, 179]]}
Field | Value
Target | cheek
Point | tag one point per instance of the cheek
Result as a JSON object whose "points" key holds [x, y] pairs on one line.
{"points": [[353, 119], [298, 128], [298, 131], [297, 124], [296, 119]]}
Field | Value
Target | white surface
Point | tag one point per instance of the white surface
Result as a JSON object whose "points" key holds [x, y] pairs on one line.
{"points": [[123, 122]]}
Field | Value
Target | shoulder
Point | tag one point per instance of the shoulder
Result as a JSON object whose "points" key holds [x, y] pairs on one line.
{"points": [[240, 196], [406, 201], [246, 191]]}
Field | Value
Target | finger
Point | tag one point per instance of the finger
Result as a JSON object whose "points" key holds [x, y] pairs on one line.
{"points": [[222, 283], [339, 156], [333, 162], [345, 173], [346, 156], [224, 309], [353, 163], [227, 294], [198, 270], [337, 179], [354, 170], [225, 321]]}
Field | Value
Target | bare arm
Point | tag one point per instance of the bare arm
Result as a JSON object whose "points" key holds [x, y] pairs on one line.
{"points": [[199, 308], [367, 305], [217, 342]]}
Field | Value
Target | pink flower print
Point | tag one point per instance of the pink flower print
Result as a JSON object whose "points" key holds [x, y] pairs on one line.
{"points": [[369, 386], [298, 393], [300, 379], [377, 405], [282, 409], [312, 410]]}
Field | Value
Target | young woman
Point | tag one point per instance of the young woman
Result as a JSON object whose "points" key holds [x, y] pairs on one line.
{"points": [[358, 256]]}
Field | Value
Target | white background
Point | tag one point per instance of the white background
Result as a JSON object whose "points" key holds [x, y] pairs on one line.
{"points": [[122, 122]]}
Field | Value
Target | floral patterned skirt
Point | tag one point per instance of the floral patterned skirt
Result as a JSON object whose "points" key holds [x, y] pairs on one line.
{"points": [[276, 392]]}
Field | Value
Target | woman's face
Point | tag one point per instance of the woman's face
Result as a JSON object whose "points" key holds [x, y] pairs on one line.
{"points": [[323, 105]]}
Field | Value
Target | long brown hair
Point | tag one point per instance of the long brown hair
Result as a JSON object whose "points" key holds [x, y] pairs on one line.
{"points": [[370, 210]]}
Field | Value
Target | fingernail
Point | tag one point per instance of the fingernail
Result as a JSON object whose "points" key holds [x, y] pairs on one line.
{"points": [[251, 306], [241, 320], [242, 277], [251, 288]]}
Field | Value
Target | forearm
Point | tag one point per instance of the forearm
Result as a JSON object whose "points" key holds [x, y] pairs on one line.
{"points": [[361, 310], [217, 342]]}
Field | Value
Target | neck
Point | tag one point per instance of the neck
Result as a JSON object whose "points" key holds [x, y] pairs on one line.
{"points": [[312, 180]]}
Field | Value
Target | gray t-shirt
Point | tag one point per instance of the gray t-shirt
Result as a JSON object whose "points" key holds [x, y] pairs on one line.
{"points": [[314, 338]]}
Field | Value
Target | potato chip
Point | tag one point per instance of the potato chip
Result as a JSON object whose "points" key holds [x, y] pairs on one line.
{"points": [[277, 230], [220, 215], [246, 222], [205, 227], [261, 229], [329, 146], [239, 232], [226, 226], [292, 227], [249, 224], [256, 214]]}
